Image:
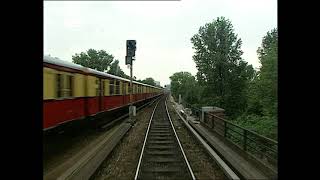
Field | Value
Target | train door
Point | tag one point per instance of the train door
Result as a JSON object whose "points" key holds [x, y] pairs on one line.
{"points": [[124, 99], [101, 94]]}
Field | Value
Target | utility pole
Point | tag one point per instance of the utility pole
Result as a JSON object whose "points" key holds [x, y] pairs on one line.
{"points": [[131, 48]]}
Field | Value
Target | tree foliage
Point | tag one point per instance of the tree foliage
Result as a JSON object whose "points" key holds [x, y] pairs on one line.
{"points": [[221, 69], [102, 61], [116, 70], [149, 81], [99, 60], [185, 84], [268, 77], [263, 88], [224, 79], [261, 114]]}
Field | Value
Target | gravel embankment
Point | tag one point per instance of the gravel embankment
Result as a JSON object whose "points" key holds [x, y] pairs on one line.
{"points": [[123, 160], [203, 166]]}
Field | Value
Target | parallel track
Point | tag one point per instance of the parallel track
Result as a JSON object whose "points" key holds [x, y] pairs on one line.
{"points": [[84, 163], [162, 156]]}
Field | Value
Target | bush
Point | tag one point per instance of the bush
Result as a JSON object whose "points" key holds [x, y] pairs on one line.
{"points": [[264, 125]]}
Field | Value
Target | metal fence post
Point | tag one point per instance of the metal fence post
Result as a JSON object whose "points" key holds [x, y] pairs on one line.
{"points": [[225, 128], [244, 140], [212, 122]]}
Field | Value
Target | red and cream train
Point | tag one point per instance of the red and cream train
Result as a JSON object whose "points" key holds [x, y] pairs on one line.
{"points": [[73, 92]]}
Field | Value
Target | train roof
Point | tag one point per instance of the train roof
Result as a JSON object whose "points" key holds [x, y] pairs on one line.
{"points": [[59, 62]]}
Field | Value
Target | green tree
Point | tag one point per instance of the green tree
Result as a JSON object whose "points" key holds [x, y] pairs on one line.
{"points": [[149, 81], [116, 70], [254, 104], [261, 115], [99, 60], [185, 84], [139, 80], [263, 89], [221, 69], [268, 77]]}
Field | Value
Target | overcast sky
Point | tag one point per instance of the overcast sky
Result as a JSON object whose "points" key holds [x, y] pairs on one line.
{"points": [[163, 30]]}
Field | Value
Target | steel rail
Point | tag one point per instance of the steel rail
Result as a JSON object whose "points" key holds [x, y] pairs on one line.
{"points": [[184, 155], [145, 140]]}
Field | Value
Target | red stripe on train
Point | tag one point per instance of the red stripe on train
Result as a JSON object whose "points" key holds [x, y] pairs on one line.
{"points": [[56, 112]]}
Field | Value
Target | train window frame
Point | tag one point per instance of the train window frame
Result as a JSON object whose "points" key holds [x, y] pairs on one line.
{"points": [[102, 87], [117, 87], [70, 85], [124, 90], [59, 85], [64, 86], [111, 87], [98, 87]]}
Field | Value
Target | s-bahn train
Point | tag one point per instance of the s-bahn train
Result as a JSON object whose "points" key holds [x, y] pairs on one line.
{"points": [[72, 92]]}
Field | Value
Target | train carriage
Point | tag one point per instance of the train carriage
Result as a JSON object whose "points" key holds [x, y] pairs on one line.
{"points": [[73, 92]]}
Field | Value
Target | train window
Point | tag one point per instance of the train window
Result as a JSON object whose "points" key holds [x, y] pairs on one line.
{"points": [[124, 88], [117, 87], [64, 86], [70, 86], [59, 85], [97, 87], [102, 88], [67, 88], [111, 87]]}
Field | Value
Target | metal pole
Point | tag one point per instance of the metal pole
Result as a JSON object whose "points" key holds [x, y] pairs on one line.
{"points": [[131, 48], [131, 92]]}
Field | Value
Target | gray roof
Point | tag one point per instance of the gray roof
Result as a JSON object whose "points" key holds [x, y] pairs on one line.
{"points": [[59, 62]]}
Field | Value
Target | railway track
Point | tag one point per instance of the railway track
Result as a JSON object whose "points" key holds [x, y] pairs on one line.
{"points": [[83, 164], [162, 156]]}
